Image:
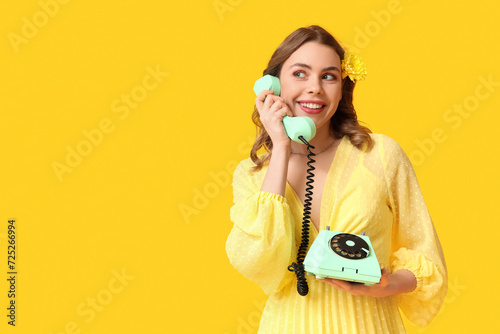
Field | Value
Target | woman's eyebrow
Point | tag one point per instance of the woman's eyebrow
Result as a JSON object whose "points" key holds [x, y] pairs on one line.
{"points": [[331, 68]]}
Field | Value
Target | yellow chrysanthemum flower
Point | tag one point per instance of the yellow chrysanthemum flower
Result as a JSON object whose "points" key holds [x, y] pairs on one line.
{"points": [[353, 67]]}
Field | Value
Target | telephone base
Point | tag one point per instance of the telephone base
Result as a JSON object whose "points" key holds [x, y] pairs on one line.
{"points": [[367, 283], [359, 266]]}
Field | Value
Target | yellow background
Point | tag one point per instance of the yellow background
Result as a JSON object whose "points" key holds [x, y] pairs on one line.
{"points": [[150, 200]]}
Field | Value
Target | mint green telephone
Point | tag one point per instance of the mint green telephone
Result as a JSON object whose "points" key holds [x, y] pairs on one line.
{"points": [[294, 126]]}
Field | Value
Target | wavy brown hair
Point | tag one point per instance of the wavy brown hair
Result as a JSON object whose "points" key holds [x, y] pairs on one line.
{"points": [[343, 122]]}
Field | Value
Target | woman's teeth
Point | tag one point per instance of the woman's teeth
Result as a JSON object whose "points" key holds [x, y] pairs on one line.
{"points": [[311, 105]]}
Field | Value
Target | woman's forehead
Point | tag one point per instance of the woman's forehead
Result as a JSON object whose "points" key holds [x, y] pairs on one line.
{"points": [[315, 55]]}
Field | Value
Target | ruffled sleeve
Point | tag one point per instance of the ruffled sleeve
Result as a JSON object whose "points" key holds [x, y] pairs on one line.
{"points": [[415, 244], [261, 243]]}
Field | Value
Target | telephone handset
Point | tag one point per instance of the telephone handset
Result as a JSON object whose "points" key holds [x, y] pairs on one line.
{"points": [[299, 129], [294, 126]]}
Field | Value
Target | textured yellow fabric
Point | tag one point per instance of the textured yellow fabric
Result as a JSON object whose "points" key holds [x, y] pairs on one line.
{"points": [[376, 192]]}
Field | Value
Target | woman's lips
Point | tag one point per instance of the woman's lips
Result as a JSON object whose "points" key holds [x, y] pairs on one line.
{"points": [[311, 110]]}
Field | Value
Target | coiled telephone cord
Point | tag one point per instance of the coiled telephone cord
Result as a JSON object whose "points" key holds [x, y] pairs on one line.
{"points": [[298, 267]]}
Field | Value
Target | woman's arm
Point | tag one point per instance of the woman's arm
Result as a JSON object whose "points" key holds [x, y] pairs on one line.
{"points": [[261, 243], [275, 179], [271, 110]]}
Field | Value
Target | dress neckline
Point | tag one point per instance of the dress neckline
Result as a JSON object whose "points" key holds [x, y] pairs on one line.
{"points": [[331, 176]]}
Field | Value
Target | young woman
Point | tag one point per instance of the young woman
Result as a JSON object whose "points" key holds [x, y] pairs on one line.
{"points": [[363, 182]]}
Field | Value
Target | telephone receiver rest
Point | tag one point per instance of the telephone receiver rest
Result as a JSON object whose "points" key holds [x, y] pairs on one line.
{"points": [[294, 126]]}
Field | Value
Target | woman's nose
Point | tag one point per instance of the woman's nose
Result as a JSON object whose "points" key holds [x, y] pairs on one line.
{"points": [[315, 87]]}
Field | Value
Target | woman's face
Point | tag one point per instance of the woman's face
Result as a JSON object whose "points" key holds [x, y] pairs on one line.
{"points": [[311, 82]]}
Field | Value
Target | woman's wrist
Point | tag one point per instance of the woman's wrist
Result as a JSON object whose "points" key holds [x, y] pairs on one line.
{"points": [[284, 146]]}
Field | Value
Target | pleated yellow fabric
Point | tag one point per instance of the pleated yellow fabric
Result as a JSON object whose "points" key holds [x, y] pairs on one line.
{"points": [[376, 192]]}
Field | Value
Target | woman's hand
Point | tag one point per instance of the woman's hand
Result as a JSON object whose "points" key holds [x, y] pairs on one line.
{"points": [[401, 281], [272, 109]]}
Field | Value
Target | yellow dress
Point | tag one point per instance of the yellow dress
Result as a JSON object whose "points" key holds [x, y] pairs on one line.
{"points": [[376, 192]]}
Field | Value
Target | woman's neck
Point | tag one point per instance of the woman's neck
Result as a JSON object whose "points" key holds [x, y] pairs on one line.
{"points": [[323, 139]]}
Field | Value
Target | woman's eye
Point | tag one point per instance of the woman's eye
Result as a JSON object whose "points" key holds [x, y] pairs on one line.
{"points": [[299, 74], [329, 77]]}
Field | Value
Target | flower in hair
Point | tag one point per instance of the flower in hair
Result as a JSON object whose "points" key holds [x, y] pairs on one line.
{"points": [[353, 67]]}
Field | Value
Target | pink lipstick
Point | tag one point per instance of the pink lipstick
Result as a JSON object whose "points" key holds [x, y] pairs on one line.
{"points": [[311, 106]]}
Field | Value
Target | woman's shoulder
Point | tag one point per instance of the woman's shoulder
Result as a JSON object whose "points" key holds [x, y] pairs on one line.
{"points": [[389, 150], [378, 142], [383, 140], [385, 143], [244, 172], [246, 166], [246, 163]]}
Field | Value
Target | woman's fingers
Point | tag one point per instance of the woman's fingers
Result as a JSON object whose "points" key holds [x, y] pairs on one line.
{"points": [[265, 100], [262, 98], [381, 289], [271, 110]]}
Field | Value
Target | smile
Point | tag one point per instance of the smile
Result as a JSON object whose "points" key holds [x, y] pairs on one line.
{"points": [[311, 108]]}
